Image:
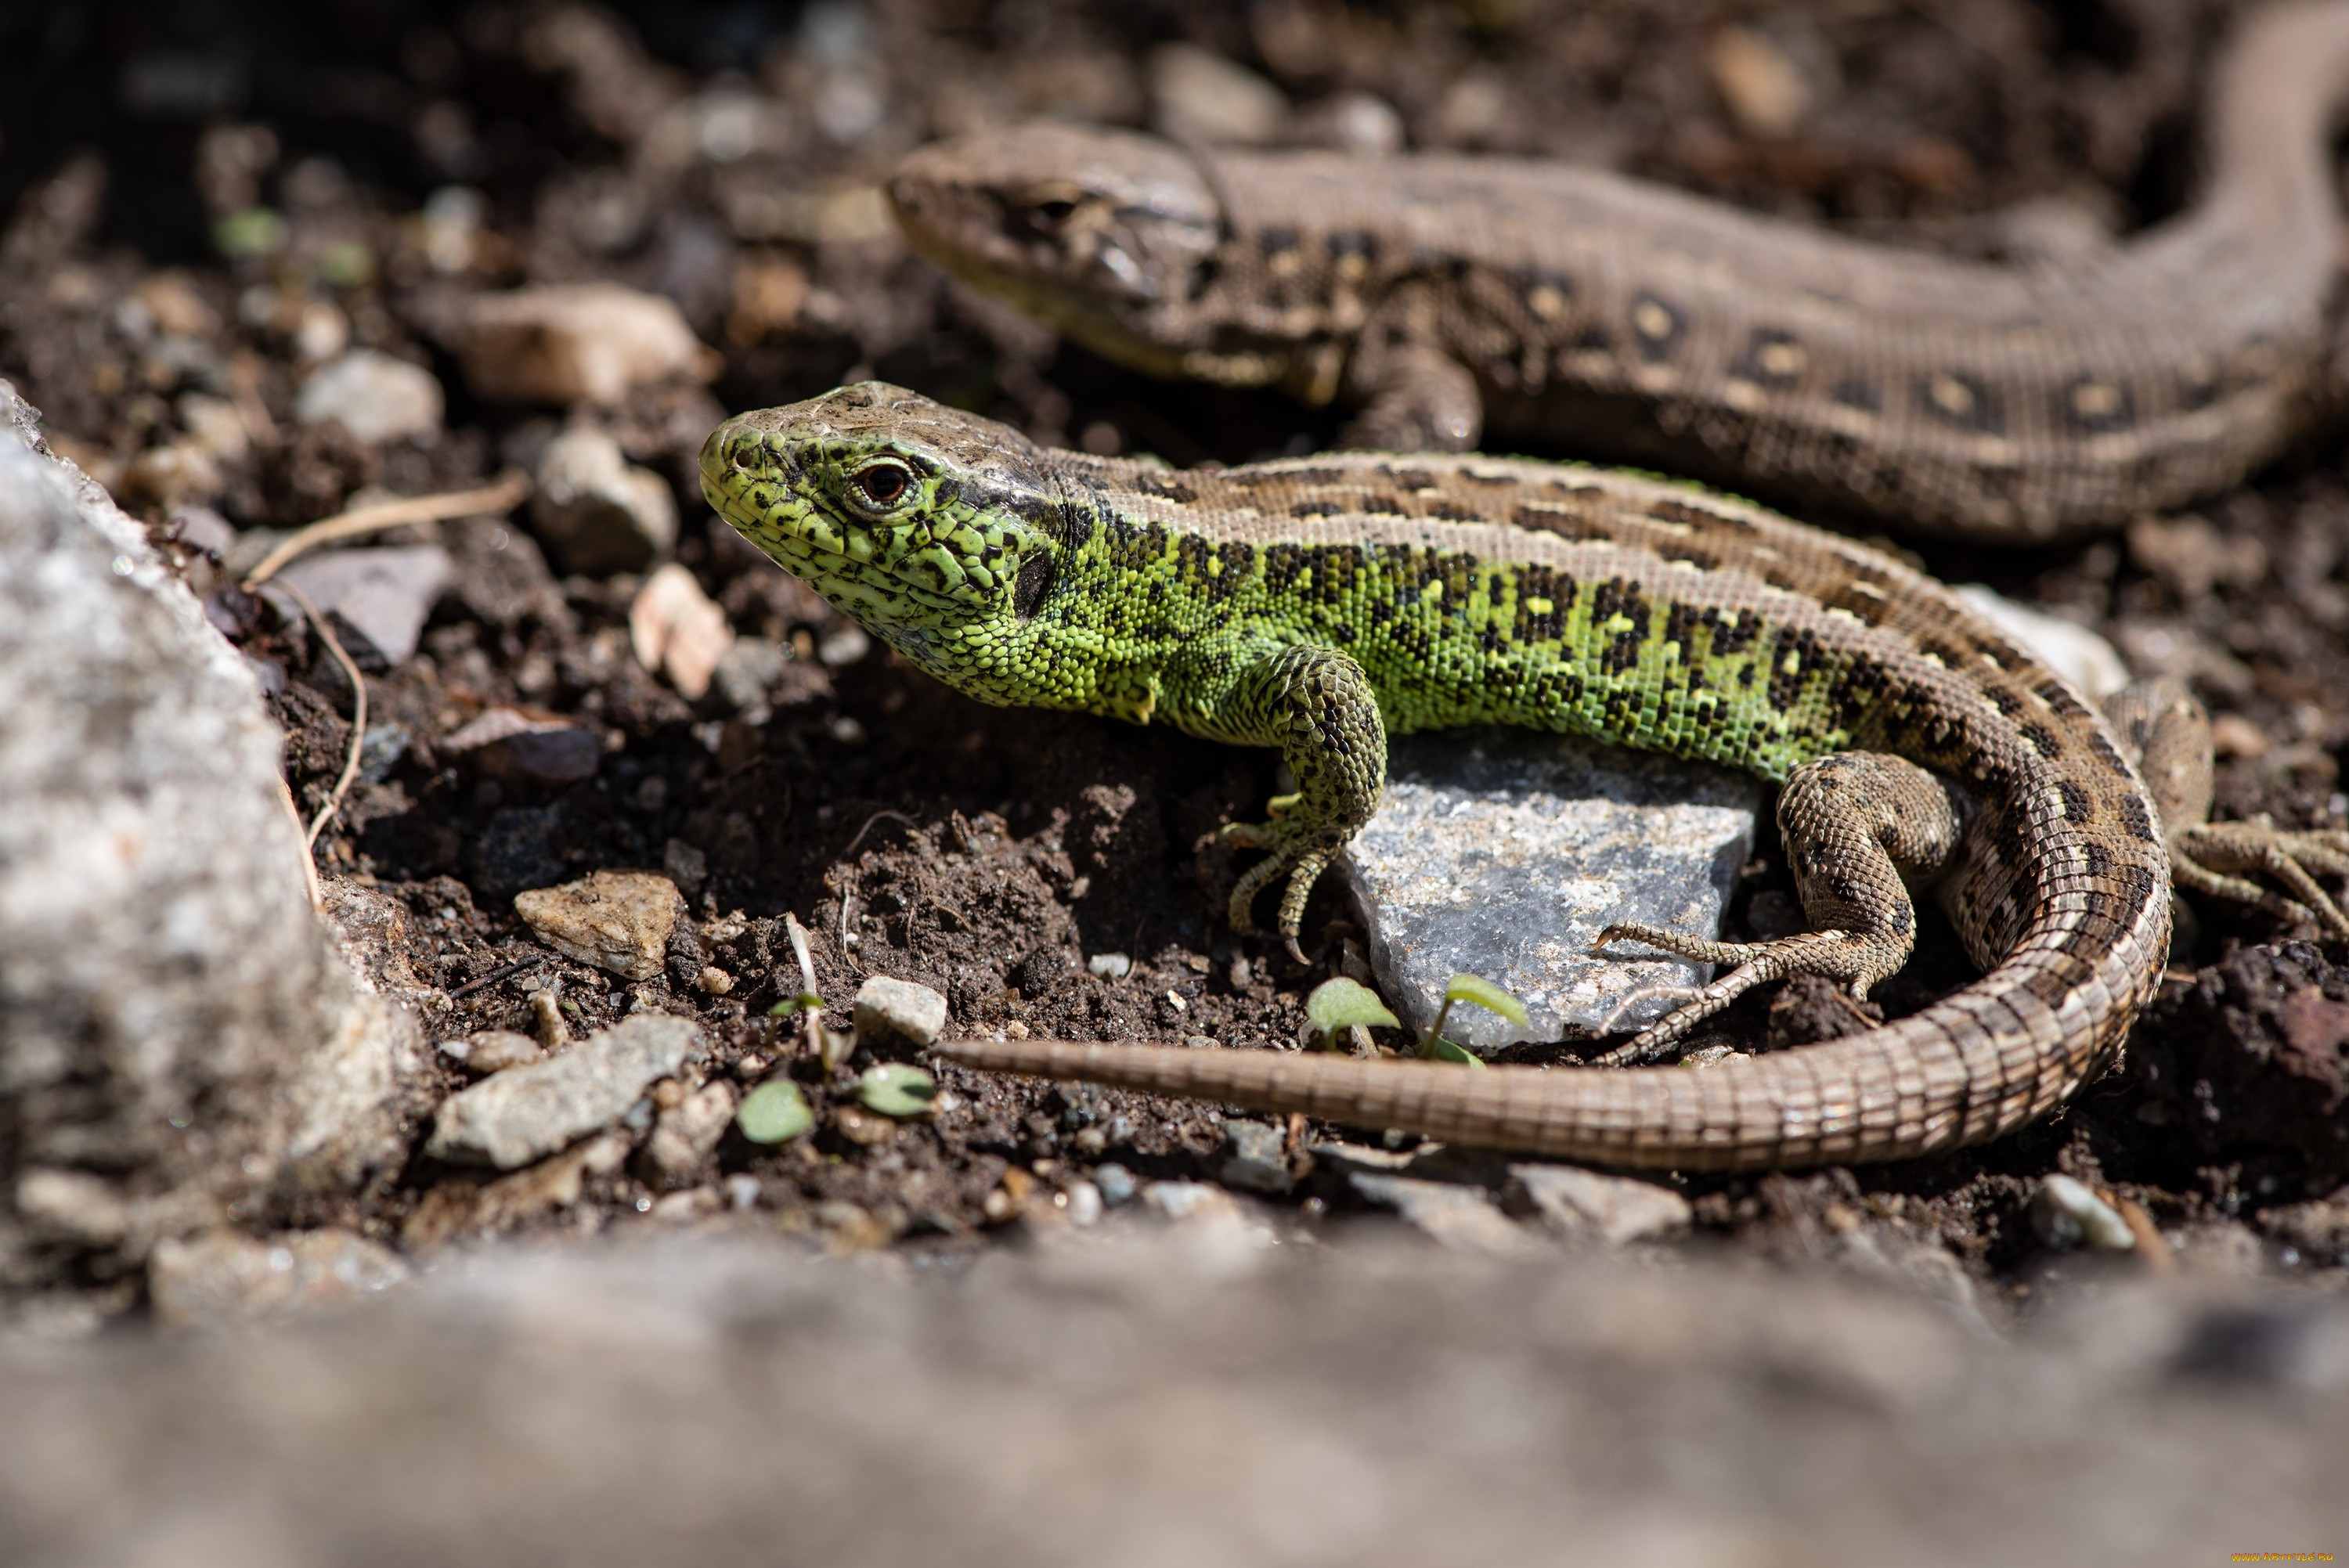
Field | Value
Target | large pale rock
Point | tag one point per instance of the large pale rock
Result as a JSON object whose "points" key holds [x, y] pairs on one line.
{"points": [[174, 1023], [523, 1114], [1504, 853]]}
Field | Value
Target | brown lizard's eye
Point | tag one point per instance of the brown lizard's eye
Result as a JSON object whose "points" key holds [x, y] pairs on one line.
{"points": [[1051, 206], [884, 484]]}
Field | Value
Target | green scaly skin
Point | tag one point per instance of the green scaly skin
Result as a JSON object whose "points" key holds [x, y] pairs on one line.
{"points": [[1315, 604]]}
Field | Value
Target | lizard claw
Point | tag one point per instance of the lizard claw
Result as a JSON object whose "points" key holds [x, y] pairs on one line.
{"points": [[1847, 957], [1301, 852], [2215, 858]]}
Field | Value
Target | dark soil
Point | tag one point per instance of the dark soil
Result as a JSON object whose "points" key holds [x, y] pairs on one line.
{"points": [[988, 853]]}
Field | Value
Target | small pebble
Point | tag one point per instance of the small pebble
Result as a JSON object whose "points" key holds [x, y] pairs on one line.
{"points": [[513, 1118], [1201, 97], [714, 980], [618, 921], [1613, 1209], [596, 512], [1256, 1158], [1109, 966], [494, 1050], [677, 630], [2067, 1214], [512, 747], [890, 1009], [688, 1133], [386, 593], [1084, 1204], [376, 397], [1115, 1183], [572, 342]]}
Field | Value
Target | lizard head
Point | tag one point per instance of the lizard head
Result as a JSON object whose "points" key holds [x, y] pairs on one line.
{"points": [[934, 529], [1104, 233]]}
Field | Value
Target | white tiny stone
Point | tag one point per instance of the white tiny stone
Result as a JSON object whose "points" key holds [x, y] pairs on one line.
{"points": [[1109, 966], [378, 398], [2067, 1214]]}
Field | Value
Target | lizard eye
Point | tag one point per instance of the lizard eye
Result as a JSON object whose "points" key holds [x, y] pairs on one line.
{"points": [[883, 484], [1053, 205]]}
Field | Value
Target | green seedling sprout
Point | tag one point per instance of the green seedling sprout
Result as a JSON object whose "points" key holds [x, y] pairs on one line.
{"points": [[1479, 992], [897, 1088], [1342, 1003], [774, 1112]]}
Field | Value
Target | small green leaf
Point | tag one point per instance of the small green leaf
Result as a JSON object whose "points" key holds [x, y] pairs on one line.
{"points": [[774, 1112], [255, 231], [1441, 1050], [897, 1088], [790, 1004], [1337, 1004], [1485, 995]]}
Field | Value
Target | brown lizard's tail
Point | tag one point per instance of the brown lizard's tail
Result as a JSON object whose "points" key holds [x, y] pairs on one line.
{"points": [[1933, 1081]]}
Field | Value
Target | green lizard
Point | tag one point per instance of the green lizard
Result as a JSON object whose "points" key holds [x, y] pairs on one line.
{"points": [[1318, 605]]}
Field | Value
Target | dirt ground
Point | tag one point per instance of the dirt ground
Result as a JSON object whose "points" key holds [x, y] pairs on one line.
{"points": [[988, 854]]}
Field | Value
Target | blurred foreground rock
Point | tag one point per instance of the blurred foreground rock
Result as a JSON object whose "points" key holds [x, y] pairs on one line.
{"points": [[180, 1045], [1178, 1393]]}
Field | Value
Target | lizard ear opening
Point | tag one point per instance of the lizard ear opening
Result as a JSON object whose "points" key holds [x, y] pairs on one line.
{"points": [[1035, 581]]}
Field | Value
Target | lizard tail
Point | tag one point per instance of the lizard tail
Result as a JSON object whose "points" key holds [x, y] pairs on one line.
{"points": [[1911, 1088]]}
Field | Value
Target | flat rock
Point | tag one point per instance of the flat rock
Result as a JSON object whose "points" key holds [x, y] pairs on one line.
{"points": [[494, 1050], [1503, 853], [523, 1114], [890, 1009], [376, 397], [1612, 1209], [618, 921], [572, 342], [385, 592], [597, 514], [1256, 1158]]}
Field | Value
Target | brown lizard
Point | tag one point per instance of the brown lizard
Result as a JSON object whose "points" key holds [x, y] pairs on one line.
{"points": [[1451, 295]]}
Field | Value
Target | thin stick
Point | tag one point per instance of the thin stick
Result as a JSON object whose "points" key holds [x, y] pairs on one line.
{"points": [[359, 709], [504, 496], [494, 976], [309, 865]]}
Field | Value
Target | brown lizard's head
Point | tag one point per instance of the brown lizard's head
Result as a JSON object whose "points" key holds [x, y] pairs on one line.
{"points": [[1106, 234]]}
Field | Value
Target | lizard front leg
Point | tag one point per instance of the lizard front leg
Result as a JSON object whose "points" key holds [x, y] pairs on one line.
{"points": [[1859, 827], [2168, 734], [1415, 398], [1317, 705]]}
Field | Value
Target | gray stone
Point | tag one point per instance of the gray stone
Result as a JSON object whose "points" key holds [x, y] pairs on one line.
{"points": [[596, 513], [618, 921], [890, 1009], [1503, 854], [1612, 1209], [1256, 1158], [174, 1021], [746, 671], [223, 1276], [526, 1113], [376, 397], [1461, 1217], [387, 592], [1201, 97], [1116, 1183]]}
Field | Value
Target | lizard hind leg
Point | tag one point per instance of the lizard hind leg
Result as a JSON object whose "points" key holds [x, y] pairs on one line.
{"points": [[1859, 827]]}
